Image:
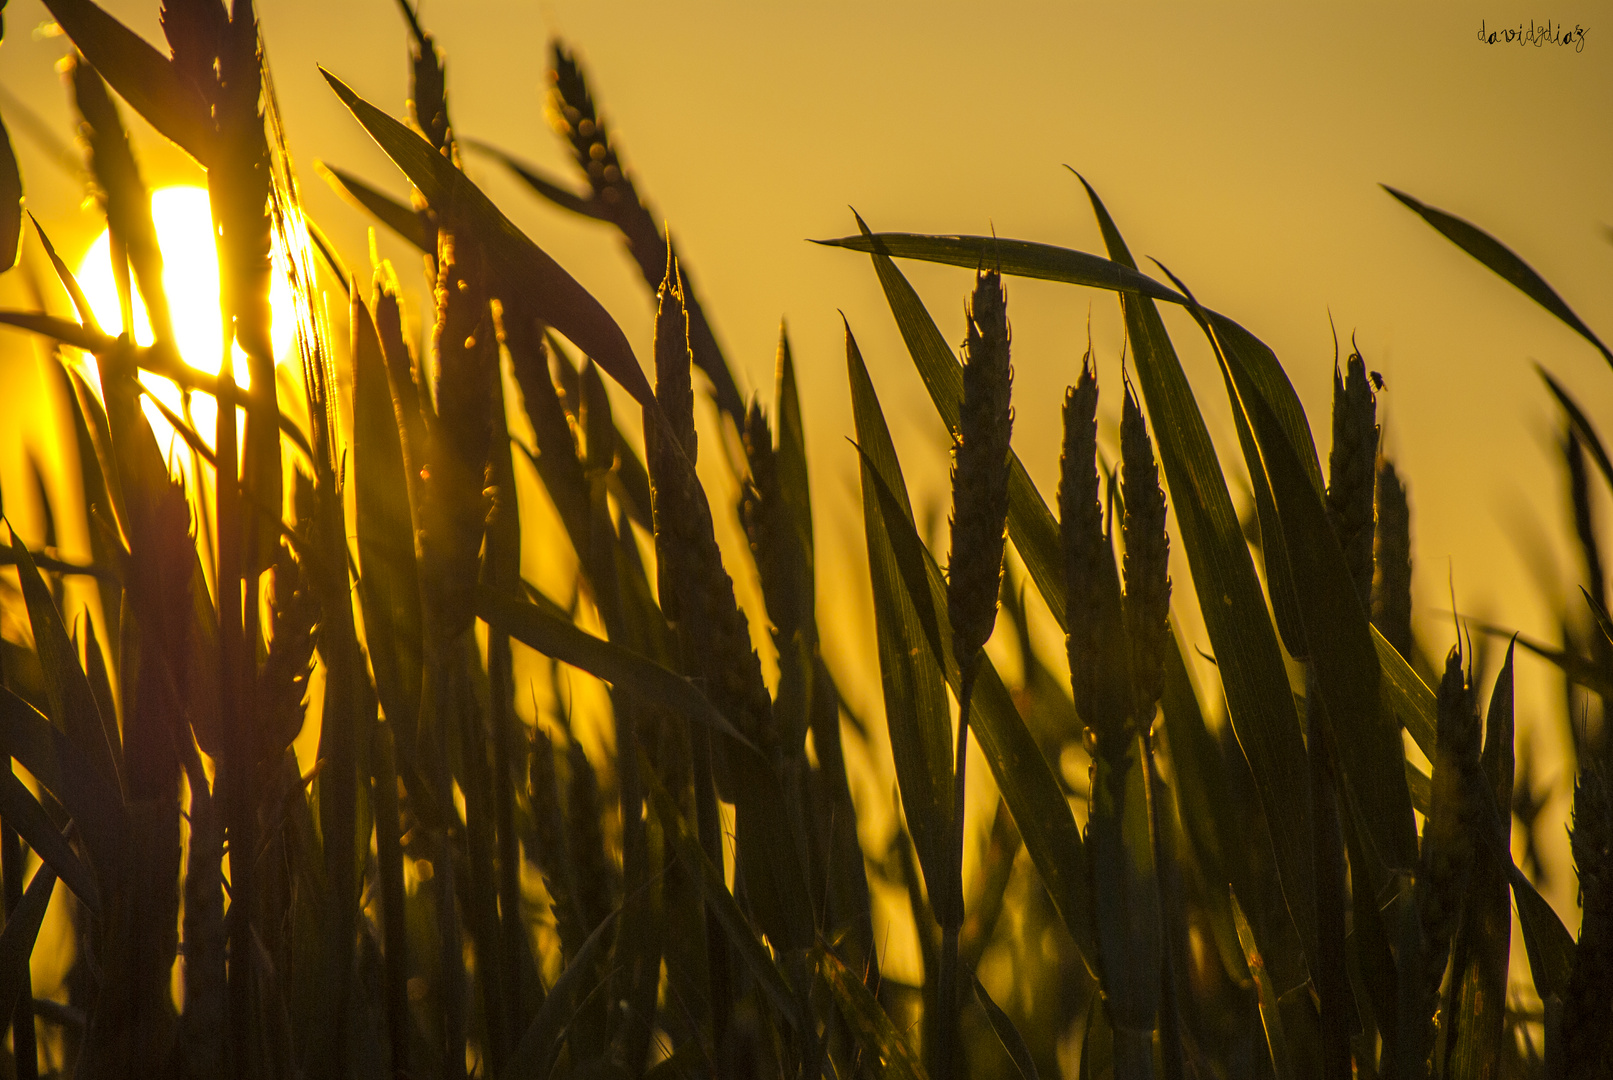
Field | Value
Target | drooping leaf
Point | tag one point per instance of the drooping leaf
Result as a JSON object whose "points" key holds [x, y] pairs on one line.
{"points": [[1500, 258], [1021, 258], [515, 261], [1581, 425]]}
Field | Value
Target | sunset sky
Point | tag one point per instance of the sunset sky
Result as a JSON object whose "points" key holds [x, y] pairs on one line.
{"points": [[1240, 144]]}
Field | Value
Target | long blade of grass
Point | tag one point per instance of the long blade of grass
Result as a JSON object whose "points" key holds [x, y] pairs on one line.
{"points": [[1337, 631], [17, 940], [1546, 940], [1500, 258], [515, 261], [1206, 808], [916, 711], [144, 77], [625, 670], [385, 209], [72, 703], [1022, 258], [58, 329], [63, 769], [22, 812], [389, 588], [1270, 1007], [1013, 1042], [1582, 426], [889, 1055]]}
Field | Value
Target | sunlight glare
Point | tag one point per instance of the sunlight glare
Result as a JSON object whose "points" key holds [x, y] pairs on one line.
{"points": [[184, 225]]}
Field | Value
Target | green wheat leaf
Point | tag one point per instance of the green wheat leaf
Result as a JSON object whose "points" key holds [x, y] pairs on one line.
{"points": [[516, 262], [1500, 258]]}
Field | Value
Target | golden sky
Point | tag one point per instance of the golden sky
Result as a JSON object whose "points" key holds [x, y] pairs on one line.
{"points": [[1240, 144]]}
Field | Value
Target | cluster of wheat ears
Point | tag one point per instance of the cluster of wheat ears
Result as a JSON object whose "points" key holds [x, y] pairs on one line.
{"points": [[1258, 878]]}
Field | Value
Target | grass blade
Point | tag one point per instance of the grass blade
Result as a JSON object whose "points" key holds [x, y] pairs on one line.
{"points": [[1270, 1007], [1500, 258], [389, 588], [63, 769], [516, 263], [385, 209], [916, 709], [561, 639], [1337, 632], [535, 1054], [67, 688], [62, 330], [23, 813], [17, 941], [144, 77], [1021, 258], [1022, 773], [1549, 945], [889, 1055], [1012, 1042]]}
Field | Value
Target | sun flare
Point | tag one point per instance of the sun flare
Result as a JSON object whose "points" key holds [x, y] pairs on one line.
{"points": [[184, 225]]}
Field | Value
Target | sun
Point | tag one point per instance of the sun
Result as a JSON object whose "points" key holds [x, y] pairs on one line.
{"points": [[184, 225]]}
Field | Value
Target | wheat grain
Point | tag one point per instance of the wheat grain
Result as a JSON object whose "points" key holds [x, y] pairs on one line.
{"points": [[1391, 560], [1147, 563], [1351, 464]]}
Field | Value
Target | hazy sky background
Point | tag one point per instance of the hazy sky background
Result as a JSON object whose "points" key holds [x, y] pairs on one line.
{"points": [[1241, 144]]}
